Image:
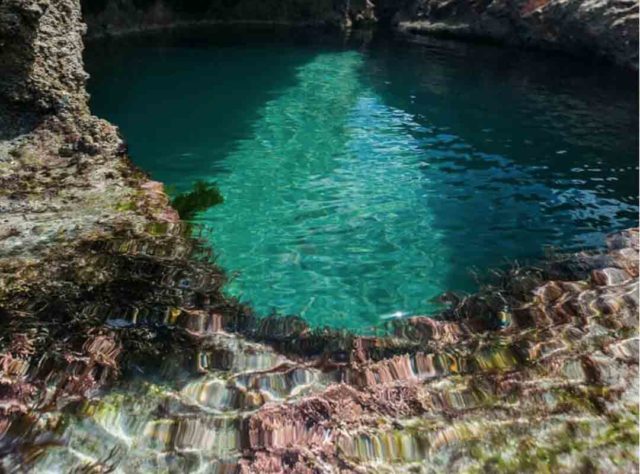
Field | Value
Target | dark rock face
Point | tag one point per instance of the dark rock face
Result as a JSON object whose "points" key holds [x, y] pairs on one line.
{"points": [[606, 28], [603, 28], [118, 16]]}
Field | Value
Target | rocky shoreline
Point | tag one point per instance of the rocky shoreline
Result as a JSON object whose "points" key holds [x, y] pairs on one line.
{"points": [[102, 288], [607, 29]]}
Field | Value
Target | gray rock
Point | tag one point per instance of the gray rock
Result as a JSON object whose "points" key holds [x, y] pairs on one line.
{"points": [[604, 28]]}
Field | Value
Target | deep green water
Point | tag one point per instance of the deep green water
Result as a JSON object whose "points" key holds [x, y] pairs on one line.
{"points": [[363, 177]]}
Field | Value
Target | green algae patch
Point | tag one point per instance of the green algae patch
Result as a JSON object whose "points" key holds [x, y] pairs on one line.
{"points": [[125, 206], [202, 197]]}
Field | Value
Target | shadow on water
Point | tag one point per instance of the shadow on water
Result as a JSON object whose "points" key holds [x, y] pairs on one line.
{"points": [[529, 149], [202, 87]]}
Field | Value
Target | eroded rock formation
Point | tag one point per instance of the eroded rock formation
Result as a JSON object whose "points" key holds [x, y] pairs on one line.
{"points": [[605, 28], [113, 325]]}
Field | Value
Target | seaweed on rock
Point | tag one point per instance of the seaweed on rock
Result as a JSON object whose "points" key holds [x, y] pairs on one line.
{"points": [[202, 197]]}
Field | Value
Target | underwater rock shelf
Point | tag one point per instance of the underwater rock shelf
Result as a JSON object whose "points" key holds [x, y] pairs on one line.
{"points": [[119, 350]]}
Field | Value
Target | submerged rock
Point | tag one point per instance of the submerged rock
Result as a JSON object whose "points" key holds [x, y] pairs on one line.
{"points": [[488, 398]]}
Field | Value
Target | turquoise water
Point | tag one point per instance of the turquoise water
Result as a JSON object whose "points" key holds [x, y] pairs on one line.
{"points": [[364, 177]]}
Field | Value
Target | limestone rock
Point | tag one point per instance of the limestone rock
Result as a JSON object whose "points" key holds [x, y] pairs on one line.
{"points": [[606, 28]]}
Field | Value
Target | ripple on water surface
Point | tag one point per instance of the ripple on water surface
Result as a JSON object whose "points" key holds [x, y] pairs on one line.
{"points": [[362, 182]]}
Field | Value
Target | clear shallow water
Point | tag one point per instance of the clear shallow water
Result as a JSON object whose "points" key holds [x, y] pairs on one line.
{"points": [[363, 178]]}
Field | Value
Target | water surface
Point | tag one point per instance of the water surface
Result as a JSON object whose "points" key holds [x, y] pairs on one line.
{"points": [[363, 177]]}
